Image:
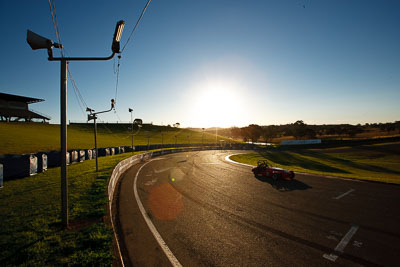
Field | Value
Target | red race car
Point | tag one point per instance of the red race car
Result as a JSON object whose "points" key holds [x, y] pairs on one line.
{"points": [[264, 170]]}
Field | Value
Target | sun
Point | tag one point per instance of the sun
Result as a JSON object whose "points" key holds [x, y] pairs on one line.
{"points": [[217, 104]]}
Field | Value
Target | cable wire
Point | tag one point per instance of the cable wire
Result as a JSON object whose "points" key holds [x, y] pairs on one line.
{"points": [[116, 85], [78, 95], [55, 23], [134, 28]]}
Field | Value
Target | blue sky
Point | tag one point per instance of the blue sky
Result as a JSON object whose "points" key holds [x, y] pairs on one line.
{"points": [[213, 63]]}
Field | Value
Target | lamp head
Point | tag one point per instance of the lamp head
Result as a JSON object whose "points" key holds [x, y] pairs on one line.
{"points": [[112, 103], [130, 110], [117, 36]]}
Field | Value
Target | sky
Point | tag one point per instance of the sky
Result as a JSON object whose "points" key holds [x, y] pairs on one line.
{"points": [[211, 62]]}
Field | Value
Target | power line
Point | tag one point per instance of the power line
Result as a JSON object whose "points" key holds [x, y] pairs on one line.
{"points": [[115, 112], [134, 28], [78, 95], [123, 48], [117, 72], [55, 23]]}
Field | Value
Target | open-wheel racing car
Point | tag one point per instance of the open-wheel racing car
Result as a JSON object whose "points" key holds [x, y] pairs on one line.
{"points": [[265, 170]]}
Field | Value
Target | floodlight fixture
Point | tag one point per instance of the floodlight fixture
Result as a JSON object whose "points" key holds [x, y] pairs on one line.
{"points": [[130, 109], [37, 41], [117, 36]]}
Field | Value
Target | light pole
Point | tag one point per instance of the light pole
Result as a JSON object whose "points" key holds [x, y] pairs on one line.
{"points": [[131, 111], [38, 42], [92, 116]]}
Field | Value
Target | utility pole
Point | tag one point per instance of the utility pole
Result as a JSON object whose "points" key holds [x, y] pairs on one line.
{"points": [[38, 42]]}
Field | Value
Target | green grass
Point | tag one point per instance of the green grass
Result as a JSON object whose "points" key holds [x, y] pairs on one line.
{"points": [[370, 162], [30, 218], [20, 138]]}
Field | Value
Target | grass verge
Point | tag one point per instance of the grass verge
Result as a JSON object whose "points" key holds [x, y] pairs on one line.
{"points": [[378, 162], [30, 218]]}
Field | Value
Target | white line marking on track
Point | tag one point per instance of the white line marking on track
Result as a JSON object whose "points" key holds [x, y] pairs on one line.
{"points": [[342, 244], [344, 194], [174, 261]]}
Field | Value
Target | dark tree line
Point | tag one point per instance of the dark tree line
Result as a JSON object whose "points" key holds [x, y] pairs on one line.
{"points": [[300, 130]]}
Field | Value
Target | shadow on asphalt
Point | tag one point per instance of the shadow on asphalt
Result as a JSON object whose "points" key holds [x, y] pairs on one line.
{"points": [[284, 185]]}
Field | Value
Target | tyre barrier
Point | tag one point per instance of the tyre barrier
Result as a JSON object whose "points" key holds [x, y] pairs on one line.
{"points": [[88, 154], [42, 162], [17, 166], [81, 154], [54, 159], [104, 152], [74, 157]]}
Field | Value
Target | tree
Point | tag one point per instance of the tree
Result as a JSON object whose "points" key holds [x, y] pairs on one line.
{"points": [[269, 132], [236, 132], [310, 133], [299, 129], [253, 132]]}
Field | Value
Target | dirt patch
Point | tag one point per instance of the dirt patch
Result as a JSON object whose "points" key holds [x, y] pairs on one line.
{"points": [[78, 224]]}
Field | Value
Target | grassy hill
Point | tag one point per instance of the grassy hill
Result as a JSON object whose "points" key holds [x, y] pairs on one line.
{"points": [[20, 138]]}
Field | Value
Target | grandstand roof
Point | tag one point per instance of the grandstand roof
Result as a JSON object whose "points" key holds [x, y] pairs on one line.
{"points": [[17, 98]]}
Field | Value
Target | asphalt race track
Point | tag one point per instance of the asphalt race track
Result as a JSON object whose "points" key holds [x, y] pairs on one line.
{"points": [[210, 212]]}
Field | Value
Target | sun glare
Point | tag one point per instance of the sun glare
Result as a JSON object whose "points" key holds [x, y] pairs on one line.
{"points": [[217, 104]]}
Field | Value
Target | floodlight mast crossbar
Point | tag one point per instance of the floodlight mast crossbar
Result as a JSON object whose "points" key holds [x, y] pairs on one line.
{"points": [[38, 42]]}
